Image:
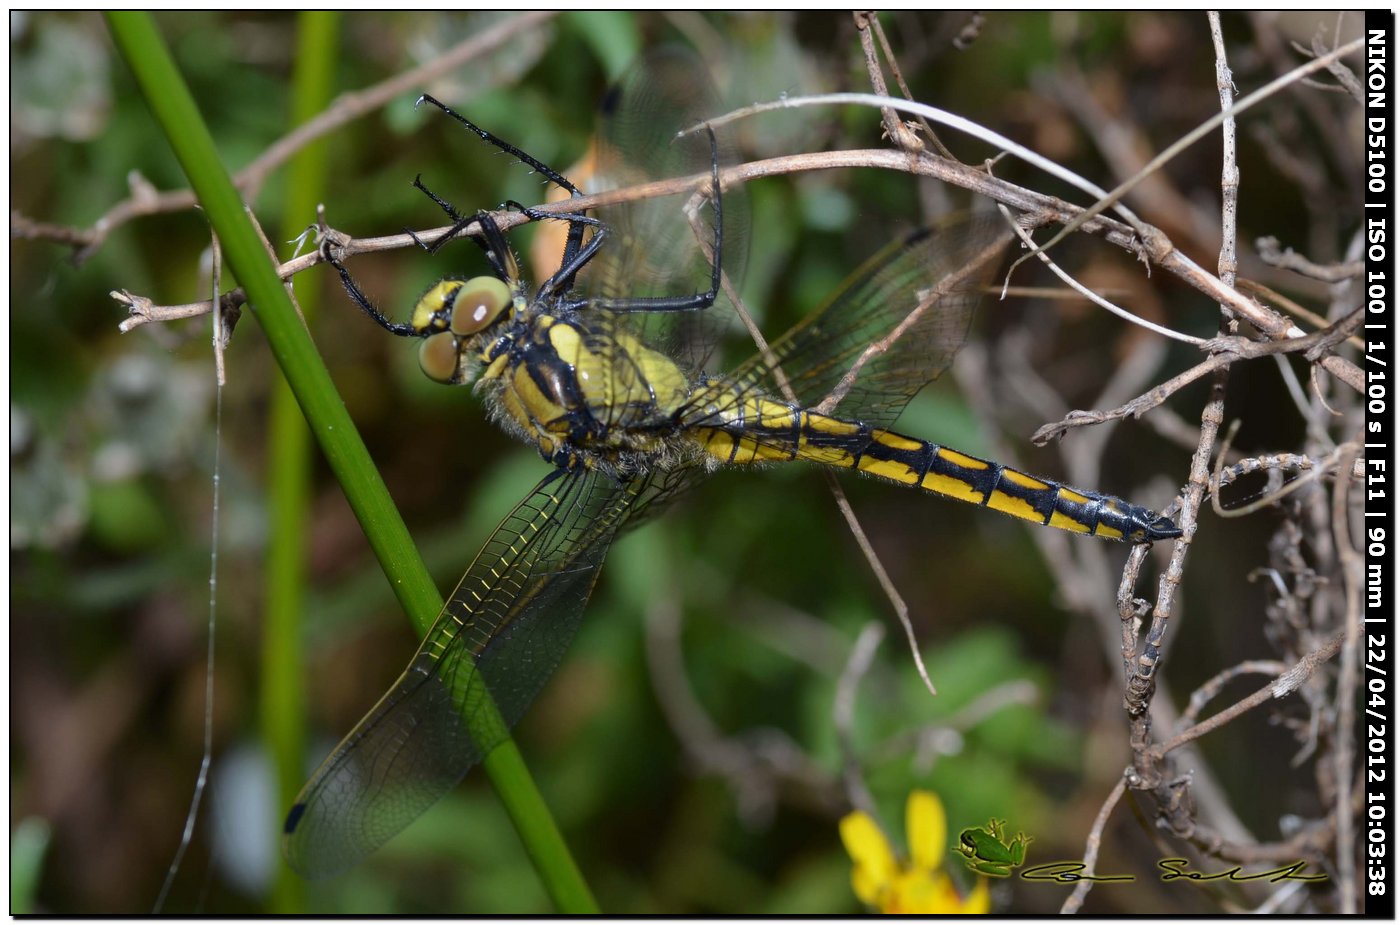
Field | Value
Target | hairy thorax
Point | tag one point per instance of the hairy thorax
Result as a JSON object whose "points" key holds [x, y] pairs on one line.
{"points": [[583, 398]]}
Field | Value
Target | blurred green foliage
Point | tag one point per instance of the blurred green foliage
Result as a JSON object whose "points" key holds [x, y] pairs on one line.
{"points": [[111, 447]]}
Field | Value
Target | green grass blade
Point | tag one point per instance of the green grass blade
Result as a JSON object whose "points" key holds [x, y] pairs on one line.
{"points": [[169, 98], [28, 844], [282, 702]]}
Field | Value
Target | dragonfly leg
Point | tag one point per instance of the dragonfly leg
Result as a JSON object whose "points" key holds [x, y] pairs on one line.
{"points": [[696, 301], [359, 298], [574, 241]]}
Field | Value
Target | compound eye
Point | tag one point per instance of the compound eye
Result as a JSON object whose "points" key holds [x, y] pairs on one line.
{"points": [[437, 357], [431, 313], [478, 304]]}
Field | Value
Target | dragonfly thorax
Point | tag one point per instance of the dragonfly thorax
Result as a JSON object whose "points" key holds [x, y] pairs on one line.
{"points": [[585, 395]]}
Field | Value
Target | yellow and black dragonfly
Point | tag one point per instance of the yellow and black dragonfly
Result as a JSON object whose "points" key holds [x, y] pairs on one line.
{"points": [[604, 370]]}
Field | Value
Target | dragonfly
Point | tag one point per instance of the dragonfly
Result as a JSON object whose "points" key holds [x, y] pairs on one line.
{"points": [[606, 373]]}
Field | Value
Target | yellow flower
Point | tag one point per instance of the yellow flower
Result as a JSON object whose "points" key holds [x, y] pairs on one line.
{"points": [[918, 886]]}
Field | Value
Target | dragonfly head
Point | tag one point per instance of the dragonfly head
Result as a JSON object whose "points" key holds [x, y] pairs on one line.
{"points": [[450, 317]]}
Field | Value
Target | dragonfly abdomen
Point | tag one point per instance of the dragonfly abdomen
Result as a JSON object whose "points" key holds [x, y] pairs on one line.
{"points": [[947, 472], [763, 430], [978, 481]]}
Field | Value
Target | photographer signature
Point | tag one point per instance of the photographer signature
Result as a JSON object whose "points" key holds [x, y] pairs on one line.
{"points": [[1172, 869]]}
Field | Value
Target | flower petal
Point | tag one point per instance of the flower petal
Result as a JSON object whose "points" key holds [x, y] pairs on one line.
{"points": [[874, 858], [979, 901], [867, 888], [926, 827], [922, 892]]}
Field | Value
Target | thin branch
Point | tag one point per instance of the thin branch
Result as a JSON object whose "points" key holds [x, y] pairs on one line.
{"points": [[1126, 148], [1348, 680], [1290, 306], [897, 602], [1088, 293], [1286, 684], [1346, 80], [1325, 123], [146, 201], [1224, 351], [753, 770], [1046, 208], [221, 331], [1112, 199], [350, 106], [1150, 243], [1310, 475], [895, 130], [1140, 681], [901, 609], [941, 116], [1211, 689], [1075, 901], [843, 711], [1229, 169], [1279, 462], [1135, 408], [946, 734], [868, 26], [1272, 253]]}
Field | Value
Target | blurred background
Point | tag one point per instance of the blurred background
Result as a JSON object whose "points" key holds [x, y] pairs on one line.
{"points": [[689, 744]]}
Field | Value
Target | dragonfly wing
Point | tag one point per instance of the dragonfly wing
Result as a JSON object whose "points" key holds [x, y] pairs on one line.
{"points": [[892, 328], [652, 250], [503, 631]]}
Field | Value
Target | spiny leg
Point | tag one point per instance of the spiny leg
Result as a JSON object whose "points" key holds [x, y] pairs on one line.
{"points": [[696, 301], [577, 254], [575, 238], [359, 298]]}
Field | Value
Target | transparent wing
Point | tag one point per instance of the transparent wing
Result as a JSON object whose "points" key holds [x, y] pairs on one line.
{"points": [[652, 249], [503, 630], [892, 328]]}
